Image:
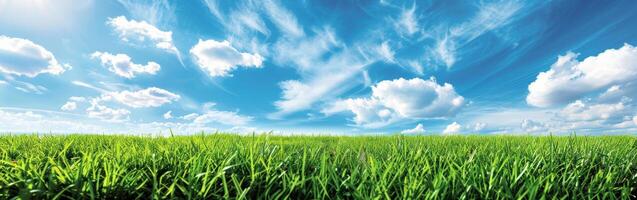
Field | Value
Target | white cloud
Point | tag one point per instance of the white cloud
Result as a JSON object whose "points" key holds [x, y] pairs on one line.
{"points": [[190, 116], [22, 57], [371, 113], [168, 115], [385, 51], [222, 117], [635, 119], [408, 23], [141, 32], [418, 98], [102, 120], [283, 19], [325, 74], [248, 19], [569, 79], [533, 126], [28, 87], [98, 111], [489, 16], [452, 128], [416, 130], [446, 51], [580, 111], [295, 96], [87, 85], [211, 115], [401, 99], [149, 97], [122, 65], [477, 127], [219, 58], [152, 11], [27, 121], [77, 99], [69, 106]]}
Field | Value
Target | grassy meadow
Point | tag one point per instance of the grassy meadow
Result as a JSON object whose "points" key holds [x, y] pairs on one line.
{"points": [[223, 166]]}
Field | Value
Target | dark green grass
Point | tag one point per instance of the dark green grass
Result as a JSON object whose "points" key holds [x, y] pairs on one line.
{"points": [[306, 167]]}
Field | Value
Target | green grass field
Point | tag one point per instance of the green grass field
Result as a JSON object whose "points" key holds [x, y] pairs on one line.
{"points": [[312, 167]]}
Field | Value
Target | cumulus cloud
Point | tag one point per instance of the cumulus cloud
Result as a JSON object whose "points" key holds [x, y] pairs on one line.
{"points": [[400, 99], [532, 126], [418, 98], [22, 57], [452, 128], [220, 58], [69, 106], [149, 97], [419, 129], [122, 65], [222, 117], [168, 115], [477, 127], [141, 32], [570, 79], [99, 111], [580, 111]]}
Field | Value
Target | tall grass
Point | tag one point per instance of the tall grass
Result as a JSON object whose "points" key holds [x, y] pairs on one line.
{"points": [[304, 167]]}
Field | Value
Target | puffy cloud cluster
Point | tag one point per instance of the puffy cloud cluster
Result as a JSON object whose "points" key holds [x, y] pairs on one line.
{"points": [[22, 57], [99, 111], [122, 65], [69, 106], [580, 111], [569, 79], [419, 129], [531, 126], [452, 128], [100, 106], [597, 91], [220, 58], [400, 99], [168, 115], [149, 97], [142, 32]]}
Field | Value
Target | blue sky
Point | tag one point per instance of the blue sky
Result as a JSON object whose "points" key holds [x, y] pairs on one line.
{"points": [[328, 67]]}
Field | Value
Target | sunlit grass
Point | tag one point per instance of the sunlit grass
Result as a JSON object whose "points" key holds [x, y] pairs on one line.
{"points": [[318, 167]]}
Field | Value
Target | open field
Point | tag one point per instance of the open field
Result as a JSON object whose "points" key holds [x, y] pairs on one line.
{"points": [[302, 167]]}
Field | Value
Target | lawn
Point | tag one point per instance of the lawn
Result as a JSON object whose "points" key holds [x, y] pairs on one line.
{"points": [[317, 167]]}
